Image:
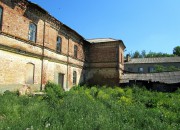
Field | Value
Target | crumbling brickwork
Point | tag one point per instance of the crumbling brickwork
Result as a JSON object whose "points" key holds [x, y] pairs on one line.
{"points": [[44, 61]]}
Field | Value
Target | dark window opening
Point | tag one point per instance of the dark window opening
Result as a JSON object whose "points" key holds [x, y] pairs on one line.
{"points": [[121, 58], [61, 79], [130, 69], [58, 44], [32, 32], [1, 13], [74, 77], [151, 69], [75, 51]]}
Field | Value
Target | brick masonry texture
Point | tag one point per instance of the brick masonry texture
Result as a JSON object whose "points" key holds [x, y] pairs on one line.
{"points": [[94, 62]]}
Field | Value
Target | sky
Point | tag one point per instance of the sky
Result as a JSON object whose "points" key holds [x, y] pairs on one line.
{"points": [[150, 25]]}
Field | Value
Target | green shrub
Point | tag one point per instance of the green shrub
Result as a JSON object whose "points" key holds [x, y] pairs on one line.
{"points": [[53, 93], [91, 108]]}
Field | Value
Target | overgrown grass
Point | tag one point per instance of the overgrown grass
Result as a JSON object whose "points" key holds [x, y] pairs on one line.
{"points": [[91, 109]]}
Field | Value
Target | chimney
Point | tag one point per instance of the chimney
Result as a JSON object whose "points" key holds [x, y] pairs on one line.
{"points": [[128, 58]]}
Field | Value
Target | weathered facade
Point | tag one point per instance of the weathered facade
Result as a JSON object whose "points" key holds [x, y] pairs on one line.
{"points": [[106, 61], [140, 71], [147, 65], [35, 47], [164, 81]]}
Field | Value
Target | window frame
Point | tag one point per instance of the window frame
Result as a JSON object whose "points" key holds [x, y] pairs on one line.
{"points": [[75, 51], [35, 32], [150, 69], [1, 18], [121, 58], [60, 47], [74, 77], [130, 69], [33, 73], [139, 70]]}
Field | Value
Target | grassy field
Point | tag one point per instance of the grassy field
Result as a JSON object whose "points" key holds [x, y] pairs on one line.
{"points": [[95, 108]]}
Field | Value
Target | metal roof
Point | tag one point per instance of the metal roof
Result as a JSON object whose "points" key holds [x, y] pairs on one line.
{"points": [[154, 60], [100, 40], [163, 77]]}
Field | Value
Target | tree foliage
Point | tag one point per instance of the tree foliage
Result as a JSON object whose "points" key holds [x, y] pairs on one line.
{"points": [[151, 54], [176, 51], [160, 68]]}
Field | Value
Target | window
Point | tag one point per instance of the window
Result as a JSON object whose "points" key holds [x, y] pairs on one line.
{"points": [[150, 69], [74, 77], [32, 32], [121, 58], [58, 44], [75, 51], [61, 79], [140, 70], [1, 12], [130, 69]]}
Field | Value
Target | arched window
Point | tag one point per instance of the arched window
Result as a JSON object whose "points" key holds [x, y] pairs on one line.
{"points": [[75, 51], [30, 73], [1, 13], [74, 77], [32, 32], [58, 44]]}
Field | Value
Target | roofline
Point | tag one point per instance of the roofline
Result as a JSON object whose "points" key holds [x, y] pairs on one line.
{"points": [[129, 62], [150, 63], [47, 13], [115, 40]]}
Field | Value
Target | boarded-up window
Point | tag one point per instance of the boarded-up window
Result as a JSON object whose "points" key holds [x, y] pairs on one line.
{"points": [[74, 77], [1, 12], [29, 73], [58, 44], [32, 32]]}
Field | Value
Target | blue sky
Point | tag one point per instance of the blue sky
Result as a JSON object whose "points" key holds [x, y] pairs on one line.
{"points": [[151, 25]]}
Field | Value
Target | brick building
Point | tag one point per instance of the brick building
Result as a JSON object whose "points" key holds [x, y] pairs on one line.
{"points": [[35, 47], [147, 65]]}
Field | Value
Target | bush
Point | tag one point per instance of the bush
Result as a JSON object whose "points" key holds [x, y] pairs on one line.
{"points": [[53, 93], [91, 108]]}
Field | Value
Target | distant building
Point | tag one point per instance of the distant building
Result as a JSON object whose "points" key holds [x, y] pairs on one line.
{"points": [[147, 65], [140, 71], [164, 81], [35, 47]]}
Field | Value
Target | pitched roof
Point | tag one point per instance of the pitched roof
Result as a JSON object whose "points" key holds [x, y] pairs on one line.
{"points": [[154, 60], [100, 40], [163, 77]]}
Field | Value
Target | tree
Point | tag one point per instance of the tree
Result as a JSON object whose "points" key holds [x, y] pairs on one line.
{"points": [[136, 54], [161, 68], [143, 54], [176, 51]]}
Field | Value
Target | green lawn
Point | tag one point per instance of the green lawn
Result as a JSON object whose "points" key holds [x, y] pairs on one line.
{"points": [[95, 108]]}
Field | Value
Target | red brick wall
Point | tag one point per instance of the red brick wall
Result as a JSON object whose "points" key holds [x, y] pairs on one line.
{"points": [[16, 22], [103, 53]]}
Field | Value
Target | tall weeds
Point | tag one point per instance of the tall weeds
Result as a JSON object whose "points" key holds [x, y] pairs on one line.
{"points": [[95, 108]]}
